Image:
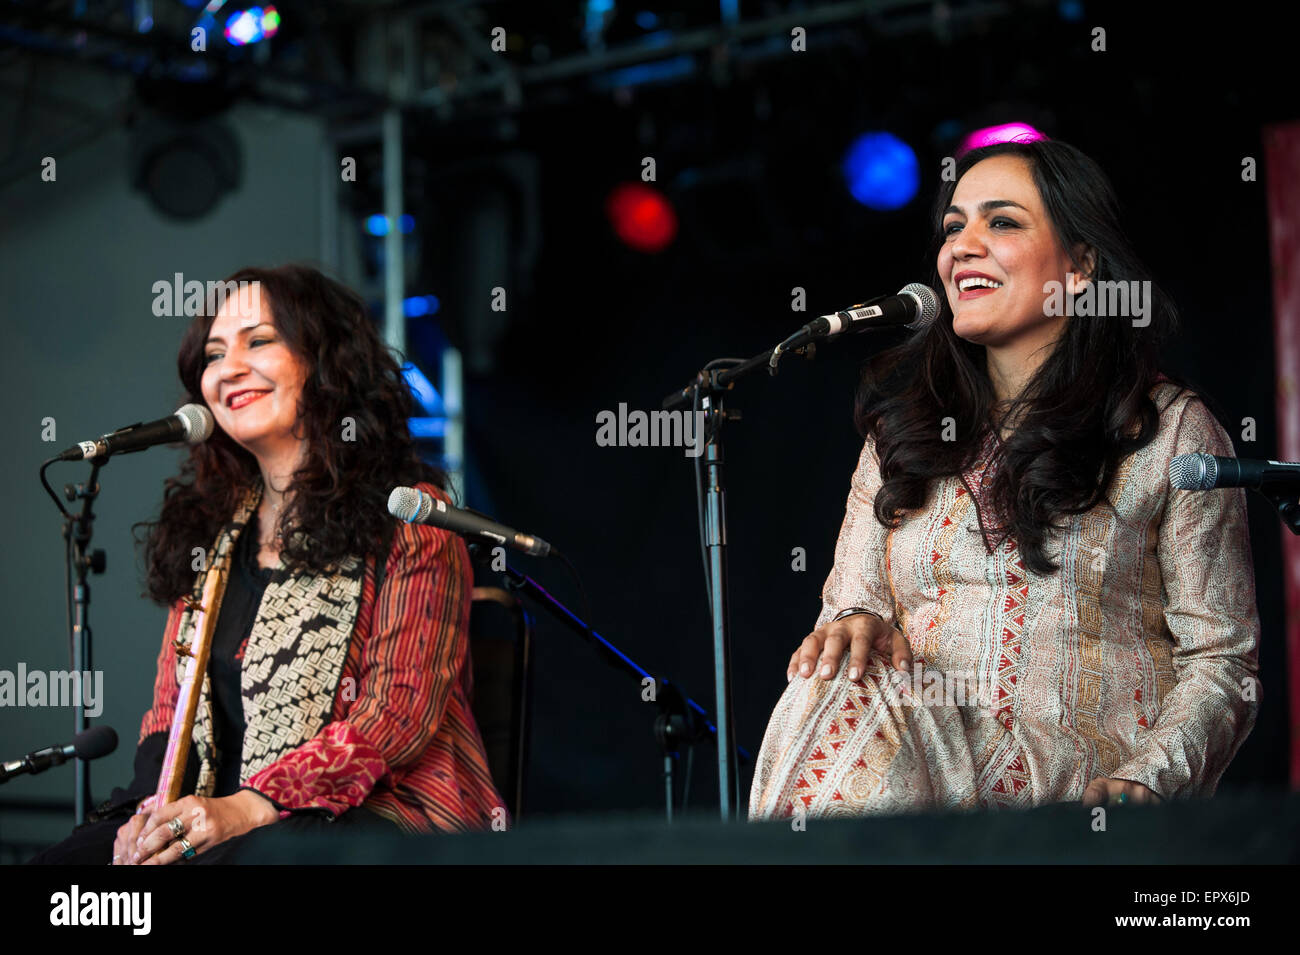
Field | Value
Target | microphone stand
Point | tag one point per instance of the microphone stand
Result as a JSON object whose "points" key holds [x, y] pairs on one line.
{"points": [[706, 393], [681, 722], [77, 532], [1285, 496]]}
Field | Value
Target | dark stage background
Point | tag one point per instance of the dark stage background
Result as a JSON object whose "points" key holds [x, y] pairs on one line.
{"points": [[747, 146]]}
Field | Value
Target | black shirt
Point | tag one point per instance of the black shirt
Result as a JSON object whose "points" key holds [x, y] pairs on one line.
{"points": [[244, 589]]}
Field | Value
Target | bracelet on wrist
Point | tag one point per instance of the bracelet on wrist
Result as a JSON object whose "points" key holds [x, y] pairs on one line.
{"points": [[851, 611]]}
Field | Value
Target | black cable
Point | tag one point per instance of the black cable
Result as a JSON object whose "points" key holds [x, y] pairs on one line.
{"points": [[67, 557], [686, 788], [582, 591], [699, 503], [67, 592], [54, 497]]}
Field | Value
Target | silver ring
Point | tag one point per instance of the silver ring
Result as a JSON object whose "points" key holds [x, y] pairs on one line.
{"points": [[177, 827], [187, 850]]}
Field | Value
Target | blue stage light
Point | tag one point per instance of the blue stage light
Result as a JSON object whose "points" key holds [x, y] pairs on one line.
{"points": [[427, 428], [420, 305], [378, 224], [425, 394], [881, 171], [1070, 10]]}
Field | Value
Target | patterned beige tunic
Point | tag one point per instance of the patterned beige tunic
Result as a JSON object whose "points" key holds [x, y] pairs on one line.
{"points": [[1136, 660]]}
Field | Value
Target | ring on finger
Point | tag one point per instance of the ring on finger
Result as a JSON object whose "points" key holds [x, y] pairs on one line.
{"points": [[187, 850], [177, 827], [1118, 799]]}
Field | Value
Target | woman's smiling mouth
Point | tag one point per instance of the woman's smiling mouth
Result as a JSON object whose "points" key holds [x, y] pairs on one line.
{"points": [[975, 292], [244, 398]]}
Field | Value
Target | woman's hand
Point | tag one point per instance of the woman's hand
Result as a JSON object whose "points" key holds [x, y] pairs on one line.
{"points": [[124, 845], [861, 633], [1104, 790], [207, 822]]}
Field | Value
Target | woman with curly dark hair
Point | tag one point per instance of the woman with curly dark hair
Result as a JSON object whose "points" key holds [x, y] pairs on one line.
{"points": [[1021, 609], [338, 683]]}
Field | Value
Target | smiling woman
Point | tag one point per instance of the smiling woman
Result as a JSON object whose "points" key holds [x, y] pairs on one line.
{"points": [[1010, 521], [1000, 253], [338, 683], [253, 383]]}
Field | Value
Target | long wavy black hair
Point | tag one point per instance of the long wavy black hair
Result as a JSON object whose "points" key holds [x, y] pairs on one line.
{"points": [[340, 492], [1088, 406]]}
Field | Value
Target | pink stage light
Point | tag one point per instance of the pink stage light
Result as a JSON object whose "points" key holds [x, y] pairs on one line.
{"points": [[1005, 133]]}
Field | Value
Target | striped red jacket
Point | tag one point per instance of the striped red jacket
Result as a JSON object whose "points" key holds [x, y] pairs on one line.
{"points": [[407, 746]]}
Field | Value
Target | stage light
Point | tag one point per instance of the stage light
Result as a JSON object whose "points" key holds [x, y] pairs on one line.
{"points": [[1003, 133], [426, 395], [427, 428], [433, 423], [417, 306], [378, 224], [1070, 10], [598, 15], [641, 216], [185, 169], [881, 171], [252, 25]]}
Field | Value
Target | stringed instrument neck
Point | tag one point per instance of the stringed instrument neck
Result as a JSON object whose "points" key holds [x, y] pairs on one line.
{"points": [[196, 654]]}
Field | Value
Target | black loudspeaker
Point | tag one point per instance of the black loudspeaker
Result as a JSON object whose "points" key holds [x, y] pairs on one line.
{"points": [[1248, 827], [185, 168]]}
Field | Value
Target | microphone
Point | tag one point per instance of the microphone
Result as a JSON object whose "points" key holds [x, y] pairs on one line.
{"points": [[915, 305], [1203, 472], [191, 423], [93, 743], [414, 506]]}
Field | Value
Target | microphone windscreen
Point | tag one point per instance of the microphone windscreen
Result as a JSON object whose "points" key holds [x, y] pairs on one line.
{"points": [[404, 503], [198, 423], [1194, 472], [929, 305], [95, 742]]}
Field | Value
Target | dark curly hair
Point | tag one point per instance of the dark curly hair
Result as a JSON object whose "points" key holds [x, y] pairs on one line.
{"points": [[1087, 407], [340, 492]]}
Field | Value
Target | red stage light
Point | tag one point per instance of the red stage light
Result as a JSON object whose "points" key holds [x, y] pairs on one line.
{"points": [[641, 216]]}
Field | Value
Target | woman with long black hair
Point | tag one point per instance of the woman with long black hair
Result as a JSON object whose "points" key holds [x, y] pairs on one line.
{"points": [[1022, 610], [337, 691]]}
